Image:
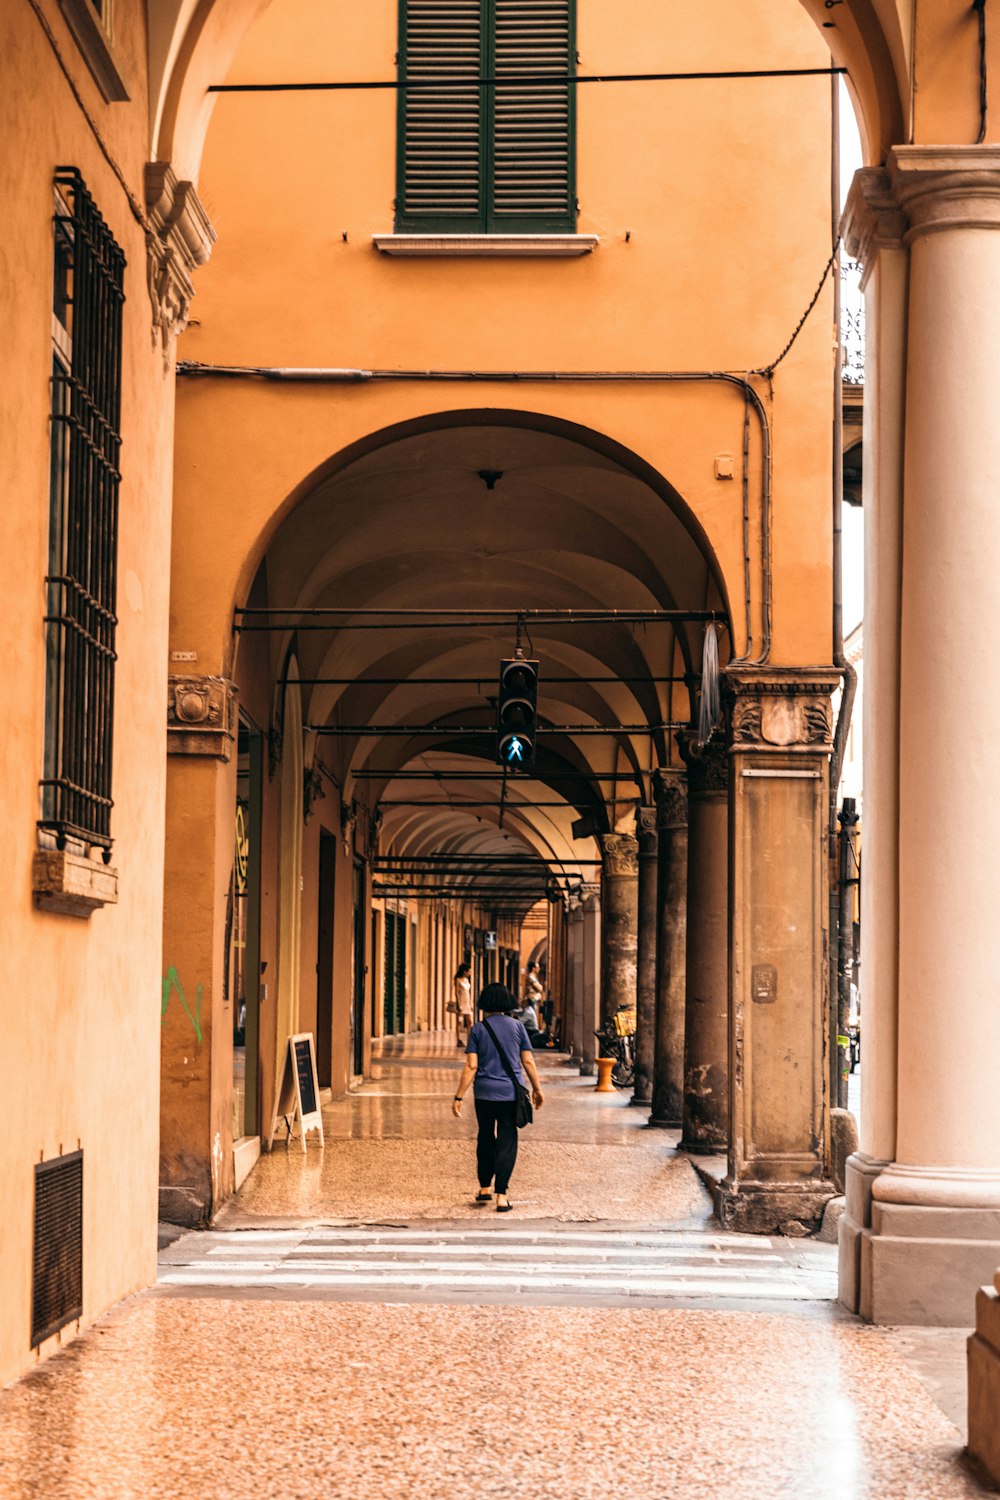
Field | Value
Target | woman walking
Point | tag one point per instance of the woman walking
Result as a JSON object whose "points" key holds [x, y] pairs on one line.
{"points": [[461, 987], [495, 1038]]}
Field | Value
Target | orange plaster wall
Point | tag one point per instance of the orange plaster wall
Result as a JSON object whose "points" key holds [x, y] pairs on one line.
{"points": [[80, 1002]]}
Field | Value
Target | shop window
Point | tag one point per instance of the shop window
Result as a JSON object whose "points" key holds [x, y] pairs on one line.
{"points": [[480, 156], [83, 521]]}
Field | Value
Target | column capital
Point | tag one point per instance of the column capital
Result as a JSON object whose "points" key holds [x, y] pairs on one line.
{"points": [[180, 240], [873, 219], [781, 709], [946, 187], [590, 895], [646, 830], [619, 854], [670, 789], [707, 766], [201, 716]]}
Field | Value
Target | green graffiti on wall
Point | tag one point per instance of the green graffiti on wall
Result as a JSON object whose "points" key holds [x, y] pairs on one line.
{"points": [[172, 981]]}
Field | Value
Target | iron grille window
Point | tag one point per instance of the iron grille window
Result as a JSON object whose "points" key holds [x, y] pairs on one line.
{"points": [[83, 519], [57, 1264], [483, 156]]}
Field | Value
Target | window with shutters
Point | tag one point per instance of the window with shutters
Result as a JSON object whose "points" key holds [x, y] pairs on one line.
{"points": [[483, 146]]}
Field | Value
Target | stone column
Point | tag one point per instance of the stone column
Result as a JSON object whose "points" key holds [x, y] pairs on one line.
{"points": [[935, 1231], [706, 1004], [574, 997], [645, 1034], [874, 227], [591, 987], [781, 725], [619, 920], [670, 787], [196, 1108]]}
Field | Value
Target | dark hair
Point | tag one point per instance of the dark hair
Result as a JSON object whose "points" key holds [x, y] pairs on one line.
{"points": [[496, 997], [463, 969]]}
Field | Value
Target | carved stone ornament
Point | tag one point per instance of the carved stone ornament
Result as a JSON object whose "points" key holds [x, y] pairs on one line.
{"points": [[313, 790], [619, 854], [180, 239], [707, 765], [201, 716], [590, 895], [646, 829], [671, 793], [782, 710]]}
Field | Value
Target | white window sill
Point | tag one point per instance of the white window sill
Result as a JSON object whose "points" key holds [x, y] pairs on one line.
{"points": [[557, 246]]}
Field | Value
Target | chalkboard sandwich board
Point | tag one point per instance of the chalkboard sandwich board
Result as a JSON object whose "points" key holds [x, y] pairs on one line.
{"points": [[298, 1095]]}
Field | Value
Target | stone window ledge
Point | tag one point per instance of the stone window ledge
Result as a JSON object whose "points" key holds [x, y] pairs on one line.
{"points": [[71, 884], [95, 47], [555, 246]]}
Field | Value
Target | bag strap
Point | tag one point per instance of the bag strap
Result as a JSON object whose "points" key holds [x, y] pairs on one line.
{"points": [[503, 1057]]}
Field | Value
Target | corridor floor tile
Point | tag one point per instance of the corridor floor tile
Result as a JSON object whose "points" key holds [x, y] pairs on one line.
{"points": [[176, 1398]]}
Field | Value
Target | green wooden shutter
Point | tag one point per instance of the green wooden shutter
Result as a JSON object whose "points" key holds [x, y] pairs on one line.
{"points": [[485, 158], [532, 124], [440, 177]]}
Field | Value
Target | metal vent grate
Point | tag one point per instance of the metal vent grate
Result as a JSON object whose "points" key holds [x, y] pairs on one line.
{"points": [[57, 1279]]}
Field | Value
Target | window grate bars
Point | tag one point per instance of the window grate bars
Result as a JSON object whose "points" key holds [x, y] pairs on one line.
{"points": [[81, 583]]}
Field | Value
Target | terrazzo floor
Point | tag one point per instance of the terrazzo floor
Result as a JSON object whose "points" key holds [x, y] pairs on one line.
{"points": [[253, 1394]]}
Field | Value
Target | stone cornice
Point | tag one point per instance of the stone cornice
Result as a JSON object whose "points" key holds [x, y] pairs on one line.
{"points": [[873, 219], [182, 239]]}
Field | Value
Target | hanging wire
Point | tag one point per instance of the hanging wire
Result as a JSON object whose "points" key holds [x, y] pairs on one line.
{"points": [[769, 370], [979, 6]]}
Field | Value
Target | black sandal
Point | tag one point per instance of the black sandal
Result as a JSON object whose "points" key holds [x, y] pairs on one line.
{"points": [[504, 1208], [482, 1198]]}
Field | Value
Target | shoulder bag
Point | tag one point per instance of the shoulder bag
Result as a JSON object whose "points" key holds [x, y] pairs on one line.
{"points": [[523, 1112]]}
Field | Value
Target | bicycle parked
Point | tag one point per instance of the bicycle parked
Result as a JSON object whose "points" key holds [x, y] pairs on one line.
{"points": [[617, 1039]]}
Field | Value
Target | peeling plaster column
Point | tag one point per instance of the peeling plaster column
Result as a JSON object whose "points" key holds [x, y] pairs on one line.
{"points": [[645, 1036], [591, 986], [196, 1072], [874, 228], [936, 1210], [706, 1005], [619, 920], [670, 788], [779, 1150]]}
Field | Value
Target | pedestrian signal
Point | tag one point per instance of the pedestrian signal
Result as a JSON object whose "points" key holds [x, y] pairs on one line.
{"points": [[516, 716]]}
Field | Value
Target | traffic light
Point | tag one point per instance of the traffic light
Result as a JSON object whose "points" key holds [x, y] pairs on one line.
{"points": [[516, 716]]}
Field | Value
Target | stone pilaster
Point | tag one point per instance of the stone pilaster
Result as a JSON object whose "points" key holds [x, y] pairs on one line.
{"points": [[706, 1004], [645, 1035], [670, 788], [619, 920], [780, 743]]}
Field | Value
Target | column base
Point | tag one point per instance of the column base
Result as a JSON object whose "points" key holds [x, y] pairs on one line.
{"points": [[984, 1383], [586, 1070], [703, 1146], [643, 1103], [916, 1242], [664, 1122], [786, 1208]]}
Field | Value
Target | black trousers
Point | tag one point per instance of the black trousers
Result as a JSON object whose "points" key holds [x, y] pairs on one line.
{"points": [[496, 1148]]}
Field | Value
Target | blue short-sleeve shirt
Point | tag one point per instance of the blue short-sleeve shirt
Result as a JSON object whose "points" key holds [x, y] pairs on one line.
{"points": [[491, 1081]]}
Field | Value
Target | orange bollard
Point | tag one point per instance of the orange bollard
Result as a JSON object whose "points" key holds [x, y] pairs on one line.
{"points": [[604, 1084]]}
